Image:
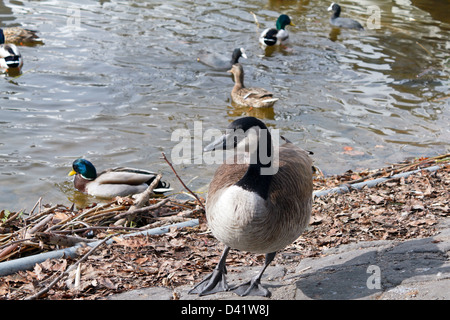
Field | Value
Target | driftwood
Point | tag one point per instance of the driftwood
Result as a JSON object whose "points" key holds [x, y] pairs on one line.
{"points": [[143, 197], [181, 181], [141, 210]]}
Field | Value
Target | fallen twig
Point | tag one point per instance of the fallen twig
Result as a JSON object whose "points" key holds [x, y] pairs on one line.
{"points": [[12, 218], [105, 213], [256, 21], [394, 169], [78, 277], [37, 203], [39, 226], [98, 228], [143, 197], [42, 213], [98, 207], [441, 98], [165, 220], [427, 51], [64, 273], [176, 174], [13, 242], [7, 250], [142, 210]]}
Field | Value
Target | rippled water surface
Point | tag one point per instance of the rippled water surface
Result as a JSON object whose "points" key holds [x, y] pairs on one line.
{"points": [[113, 79]]}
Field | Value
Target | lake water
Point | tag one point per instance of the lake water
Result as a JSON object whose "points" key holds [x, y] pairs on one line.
{"points": [[114, 79]]}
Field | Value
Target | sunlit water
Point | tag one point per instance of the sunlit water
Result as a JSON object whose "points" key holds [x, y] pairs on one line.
{"points": [[114, 79]]}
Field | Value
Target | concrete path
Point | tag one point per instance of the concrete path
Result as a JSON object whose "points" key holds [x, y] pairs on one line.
{"points": [[413, 269]]}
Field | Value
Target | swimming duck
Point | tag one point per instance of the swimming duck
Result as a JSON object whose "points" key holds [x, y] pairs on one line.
{"points": [[278, 35], [339, 22], [10, 56], [259, 207], [20, 36], [112, 182], [251, 97], [220, 62]]}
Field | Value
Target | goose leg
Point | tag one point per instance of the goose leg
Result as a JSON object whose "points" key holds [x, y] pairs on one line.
{"points": [[216, 281], [254, 287]]}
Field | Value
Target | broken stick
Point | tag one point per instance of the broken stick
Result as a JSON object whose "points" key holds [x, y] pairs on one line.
{"points": [[176, 174], [64, 273]]}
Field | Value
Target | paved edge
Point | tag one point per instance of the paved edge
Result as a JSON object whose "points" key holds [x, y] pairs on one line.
{"points": [[393, 270]]}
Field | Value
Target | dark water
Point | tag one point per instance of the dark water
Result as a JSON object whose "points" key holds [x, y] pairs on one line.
{"points": [[114, 79]]}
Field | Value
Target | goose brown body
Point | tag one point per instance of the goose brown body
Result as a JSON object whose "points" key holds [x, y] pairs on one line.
{"points": [[258, 225], [249, 97]]}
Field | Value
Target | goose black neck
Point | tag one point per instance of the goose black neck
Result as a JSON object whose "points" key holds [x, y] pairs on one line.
{"points": [[256, 179]]}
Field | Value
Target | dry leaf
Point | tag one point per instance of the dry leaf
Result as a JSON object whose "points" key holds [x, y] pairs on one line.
{"points": [[376, 199]]}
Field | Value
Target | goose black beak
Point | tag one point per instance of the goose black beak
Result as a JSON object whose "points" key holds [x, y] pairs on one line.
{"points": [[218, 144]]}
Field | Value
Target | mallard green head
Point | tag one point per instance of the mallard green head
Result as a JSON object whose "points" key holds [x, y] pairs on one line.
{"points": [[283, 21], [85, 168]]}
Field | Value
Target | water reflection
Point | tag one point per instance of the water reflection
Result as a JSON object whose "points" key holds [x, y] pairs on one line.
{"points": [[437, 9], [262, 113], [116, 87]]}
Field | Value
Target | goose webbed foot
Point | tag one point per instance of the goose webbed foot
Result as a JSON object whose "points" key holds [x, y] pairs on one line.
{"points": [[252, 288], [216, 281]]}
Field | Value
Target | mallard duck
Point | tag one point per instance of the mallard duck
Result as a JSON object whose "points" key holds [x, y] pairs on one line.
{"points": [[10, 56], [339, 22], [20, 36], [251, 97], [278, 35], [219, 62], [113, 182], [259, 207]]}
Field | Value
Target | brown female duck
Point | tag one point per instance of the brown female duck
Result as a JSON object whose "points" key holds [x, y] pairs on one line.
{"points": [[250, 97], [20, 36]]}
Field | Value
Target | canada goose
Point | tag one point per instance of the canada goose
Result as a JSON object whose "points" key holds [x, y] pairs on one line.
{"points": [[10, 56], [339, 22], [112, 182], [278, 35], [219, 62], [249, 97], [248, 208]]}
